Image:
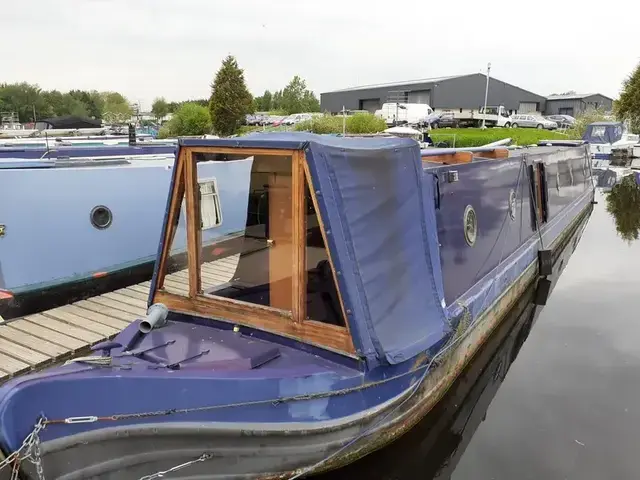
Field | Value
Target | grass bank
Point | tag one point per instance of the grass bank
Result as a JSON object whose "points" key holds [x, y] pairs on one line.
{"points": [[475, 137]]}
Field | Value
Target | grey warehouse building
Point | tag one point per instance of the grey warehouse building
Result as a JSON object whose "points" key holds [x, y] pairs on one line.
{"points": [[455, 92], [575, 104]]}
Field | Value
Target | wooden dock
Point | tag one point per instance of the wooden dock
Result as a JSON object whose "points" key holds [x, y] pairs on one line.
{"points": [[42, 339]]}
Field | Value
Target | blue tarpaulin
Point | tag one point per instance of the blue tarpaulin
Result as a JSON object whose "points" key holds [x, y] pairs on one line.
{"points": [[378, 211], [603, 132]]}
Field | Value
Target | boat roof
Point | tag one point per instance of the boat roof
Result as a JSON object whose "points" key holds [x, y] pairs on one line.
{"points": [[380, 224], [605, 123]]}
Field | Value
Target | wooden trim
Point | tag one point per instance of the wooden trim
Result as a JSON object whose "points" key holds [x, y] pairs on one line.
{"points": [[316, 207], [194, 246], [247, 151], [497, 153], [449, 158], [299, 250], [263, 318], [172, 218]]}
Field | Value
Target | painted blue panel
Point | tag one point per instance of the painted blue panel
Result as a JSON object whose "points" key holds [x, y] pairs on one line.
{"points": [[485, 186], [82, 151], [49, 237]]}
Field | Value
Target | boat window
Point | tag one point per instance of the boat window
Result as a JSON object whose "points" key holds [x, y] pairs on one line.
{"points": [[322, 300], [255, 264], [211, 213]]}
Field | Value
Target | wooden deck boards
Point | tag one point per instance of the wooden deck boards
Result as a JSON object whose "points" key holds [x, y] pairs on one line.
{"points": [[48, 337]]}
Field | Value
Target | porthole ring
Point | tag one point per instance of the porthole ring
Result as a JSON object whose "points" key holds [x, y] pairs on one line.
{"points": [[101, 217]]}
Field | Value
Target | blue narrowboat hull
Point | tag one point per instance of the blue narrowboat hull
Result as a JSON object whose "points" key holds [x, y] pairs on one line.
{"points": [[279, 408]]}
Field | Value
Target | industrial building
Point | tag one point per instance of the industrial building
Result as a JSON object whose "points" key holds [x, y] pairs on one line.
{"points": [[460, 92], [442, 93], [576, 103]]}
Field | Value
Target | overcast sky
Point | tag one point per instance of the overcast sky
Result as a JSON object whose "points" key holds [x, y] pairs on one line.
{"points": [[172, 48]]}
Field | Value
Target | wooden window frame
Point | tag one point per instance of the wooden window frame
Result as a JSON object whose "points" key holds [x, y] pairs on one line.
{"points": [[292, 324]]}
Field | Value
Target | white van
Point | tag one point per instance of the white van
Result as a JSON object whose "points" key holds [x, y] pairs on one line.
{"points": [[405, 113]]}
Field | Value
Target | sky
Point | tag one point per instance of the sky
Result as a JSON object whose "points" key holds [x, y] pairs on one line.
{"points": [[172, 48]]}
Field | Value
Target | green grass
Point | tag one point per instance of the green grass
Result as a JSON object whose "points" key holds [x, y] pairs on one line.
{"points": [[475, 137]]}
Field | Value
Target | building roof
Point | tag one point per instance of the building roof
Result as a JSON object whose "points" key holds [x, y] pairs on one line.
{"points": [[399, 84], [575, 96]]}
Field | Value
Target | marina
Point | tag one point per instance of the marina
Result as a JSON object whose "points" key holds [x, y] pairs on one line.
{"points": [[296, 329]]}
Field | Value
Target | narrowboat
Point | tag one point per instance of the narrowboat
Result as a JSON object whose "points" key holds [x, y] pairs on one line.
{"points": [[363, 285], [72, 226]]}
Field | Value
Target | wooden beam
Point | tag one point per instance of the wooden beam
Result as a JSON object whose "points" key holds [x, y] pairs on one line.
{"points": [[260, 317], [194, 245], [497, 153], [299, 271], [450, 158], [316, 207], [172, 218], [246, 151]]}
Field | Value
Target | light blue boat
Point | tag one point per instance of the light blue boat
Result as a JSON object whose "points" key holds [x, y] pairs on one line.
{"points": [[74, 226]]}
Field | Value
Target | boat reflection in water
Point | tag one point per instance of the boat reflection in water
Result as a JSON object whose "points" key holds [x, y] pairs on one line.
{"points": [[433, 448]]}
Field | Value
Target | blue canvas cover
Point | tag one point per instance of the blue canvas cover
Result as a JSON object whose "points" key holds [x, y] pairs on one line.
{"points": [[603, 132], [379, 215]]}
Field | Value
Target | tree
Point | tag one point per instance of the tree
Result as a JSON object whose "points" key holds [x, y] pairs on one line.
{"points": [[276, 100], [23, 98], [263, 103], [116, 108], [230, 100], [189, 119], [92, 101], [627, 107], [297, 99], [160, 108], [623, 202]]}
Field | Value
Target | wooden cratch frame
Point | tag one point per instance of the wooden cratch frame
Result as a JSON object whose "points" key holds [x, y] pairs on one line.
{"points": [[293, 322]]}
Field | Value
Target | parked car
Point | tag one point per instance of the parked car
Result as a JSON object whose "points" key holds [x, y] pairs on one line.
{"points": [[447, 119], [296, 118], [532, 121], [562, 120]]}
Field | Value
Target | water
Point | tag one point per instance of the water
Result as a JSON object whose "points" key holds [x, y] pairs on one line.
{"points": [[569, 406]]}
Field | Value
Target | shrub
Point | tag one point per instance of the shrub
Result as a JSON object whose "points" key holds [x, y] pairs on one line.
{"points": [[590, 116], [357, 124], [190, 119]]}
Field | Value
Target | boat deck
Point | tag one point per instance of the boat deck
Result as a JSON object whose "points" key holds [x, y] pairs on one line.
{"points": [[39, 340]]}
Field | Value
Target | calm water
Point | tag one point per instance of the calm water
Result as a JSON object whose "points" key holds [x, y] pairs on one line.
{"points": [[569, 406]]}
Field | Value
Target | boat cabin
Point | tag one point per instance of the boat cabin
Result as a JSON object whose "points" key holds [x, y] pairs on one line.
{"points": [[332, 249]]}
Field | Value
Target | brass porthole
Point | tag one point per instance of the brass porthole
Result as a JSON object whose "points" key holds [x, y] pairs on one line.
{"points": [[470, 225], [101, 217]]}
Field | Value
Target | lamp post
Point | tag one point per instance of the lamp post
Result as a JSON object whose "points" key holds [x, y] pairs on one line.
{"points": [[486, 94]]}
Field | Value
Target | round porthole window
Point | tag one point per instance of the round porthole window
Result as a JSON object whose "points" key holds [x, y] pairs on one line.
{"points": [[101, 217], [512, 204], [470, 225]]}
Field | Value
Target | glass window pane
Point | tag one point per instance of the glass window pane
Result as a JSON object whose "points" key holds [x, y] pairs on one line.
{"points": [[322, 300], [253, 262]]}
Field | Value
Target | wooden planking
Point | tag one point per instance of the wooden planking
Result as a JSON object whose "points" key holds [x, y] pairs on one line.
{"points": [[33, 343], [37, 340], [11, 365], [49, 335]]}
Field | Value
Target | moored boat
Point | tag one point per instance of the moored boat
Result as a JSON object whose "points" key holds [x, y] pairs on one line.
{"points": [[366, 280], [72, 226], [605, 138]]}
